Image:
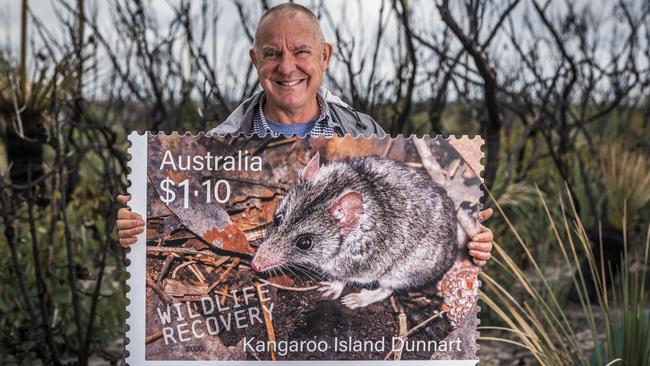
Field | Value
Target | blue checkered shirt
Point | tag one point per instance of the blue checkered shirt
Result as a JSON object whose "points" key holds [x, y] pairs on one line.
{"points": [[321, 128]]}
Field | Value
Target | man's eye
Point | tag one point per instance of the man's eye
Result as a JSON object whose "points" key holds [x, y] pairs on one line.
{"points": [[270, 55], [302, 53]]}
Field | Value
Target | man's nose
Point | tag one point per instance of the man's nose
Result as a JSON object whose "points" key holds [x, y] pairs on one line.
{"points": [[287, 64]]}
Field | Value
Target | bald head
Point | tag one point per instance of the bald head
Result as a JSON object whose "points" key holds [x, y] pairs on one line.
{"points": [[291, 57], [288, 10]]}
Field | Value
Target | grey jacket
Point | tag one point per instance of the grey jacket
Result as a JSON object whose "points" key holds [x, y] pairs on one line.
{"points": [[345, 120]]}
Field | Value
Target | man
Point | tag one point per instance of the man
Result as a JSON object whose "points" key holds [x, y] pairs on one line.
{"points": [[291, 57]]}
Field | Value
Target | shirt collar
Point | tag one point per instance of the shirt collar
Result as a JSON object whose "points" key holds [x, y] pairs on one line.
{"points": [[261, 126]]}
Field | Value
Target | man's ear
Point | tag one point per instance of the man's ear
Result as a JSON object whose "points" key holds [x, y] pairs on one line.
{"points": [[311, 170], [327, 55], [347, 211], [253, 56]]}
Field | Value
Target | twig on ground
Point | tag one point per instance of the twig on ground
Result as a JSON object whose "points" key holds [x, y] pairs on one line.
{"points": [[195, 270], [267, 321], [425, 322], [168, 262], [152, 338], [415, 328], [210, 260], [166, 299], [393, 303], [179, 267], [402, 331], [429, 162], [282, 142], [157, 250], [288, 288], [223, 275], [222, 301]]}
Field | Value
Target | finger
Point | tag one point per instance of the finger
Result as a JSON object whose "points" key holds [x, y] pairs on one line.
{"points": [[483, 236], [485, 214], [479, 263], [129, 224], [483, 256], [130, 232], [125, 242], [480, 246], [125, 214], [123, 199]]}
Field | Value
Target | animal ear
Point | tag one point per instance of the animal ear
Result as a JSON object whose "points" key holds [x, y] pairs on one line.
{"points": [[347, 210], [312, 168]]}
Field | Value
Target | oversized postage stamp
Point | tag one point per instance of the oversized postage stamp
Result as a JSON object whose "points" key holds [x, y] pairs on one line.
{"points": [[314, 249]]}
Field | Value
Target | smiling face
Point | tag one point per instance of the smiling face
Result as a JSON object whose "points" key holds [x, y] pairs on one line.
{"points": [[291, 59]]}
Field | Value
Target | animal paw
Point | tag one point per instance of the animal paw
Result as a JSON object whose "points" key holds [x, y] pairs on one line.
{"points": [[353, 301], [331, 290], [365, 297]]}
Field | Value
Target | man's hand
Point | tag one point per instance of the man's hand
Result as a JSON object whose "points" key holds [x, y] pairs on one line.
{"points": [[129, 224], [480, 245]]}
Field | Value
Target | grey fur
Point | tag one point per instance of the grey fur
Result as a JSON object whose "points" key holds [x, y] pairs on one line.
{"points": [[406, 238]]}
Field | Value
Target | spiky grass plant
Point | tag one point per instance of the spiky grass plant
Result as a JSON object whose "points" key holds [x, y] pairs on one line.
{"points": [[535, 317], [626, 179]]}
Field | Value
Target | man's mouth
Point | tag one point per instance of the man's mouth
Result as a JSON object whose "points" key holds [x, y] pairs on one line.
{"points": [[290, 82]]}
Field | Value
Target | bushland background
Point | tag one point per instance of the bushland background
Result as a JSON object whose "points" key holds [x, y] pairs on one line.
{"points": [[559, 89]]}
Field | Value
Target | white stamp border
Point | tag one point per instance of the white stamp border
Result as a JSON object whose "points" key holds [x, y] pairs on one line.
{"points": [[137, 287], [136, 292]]}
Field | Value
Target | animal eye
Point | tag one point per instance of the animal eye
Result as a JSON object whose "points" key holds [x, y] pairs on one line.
{"points": [[304, 242], [277, 219]]}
